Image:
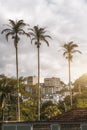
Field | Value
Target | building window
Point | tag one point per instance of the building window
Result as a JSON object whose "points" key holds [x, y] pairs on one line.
{"points": [[70, 127], [84, 127], [55, 127]]}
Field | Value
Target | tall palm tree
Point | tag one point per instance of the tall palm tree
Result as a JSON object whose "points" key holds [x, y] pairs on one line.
{"points": [[15, 29], [69, 50], [38, 36]]}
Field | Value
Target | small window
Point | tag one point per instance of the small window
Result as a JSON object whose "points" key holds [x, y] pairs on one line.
{"points": [[9, 128], [55, 127], [23, 127], [84, 127], [70, 127]]}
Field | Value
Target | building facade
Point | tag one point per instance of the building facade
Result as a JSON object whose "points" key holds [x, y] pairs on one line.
{"points": [[52, 86], [52, 81], [32, 80], [49, 89]]}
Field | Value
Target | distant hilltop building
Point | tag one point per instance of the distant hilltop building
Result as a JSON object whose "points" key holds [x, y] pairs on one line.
{"points": [[52, 85], [31, 80], [50, 89], [52, 81]]}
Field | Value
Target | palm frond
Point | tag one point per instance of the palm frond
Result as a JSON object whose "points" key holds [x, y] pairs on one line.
{"points": [[11, 22], [76, 51], [8, 34], [31, 29], [32, 34], [44, 39], [6, 30], [33, 39], [65, 53], [47, 36]]}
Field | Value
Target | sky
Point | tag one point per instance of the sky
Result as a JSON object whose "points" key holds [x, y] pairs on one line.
{"points": [[65, 21]]}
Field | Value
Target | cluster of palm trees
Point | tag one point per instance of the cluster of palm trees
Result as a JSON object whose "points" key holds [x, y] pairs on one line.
{"points": [[38, 35]]}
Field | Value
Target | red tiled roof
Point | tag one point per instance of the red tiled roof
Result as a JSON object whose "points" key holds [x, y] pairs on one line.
{"points": [[74, 115]]}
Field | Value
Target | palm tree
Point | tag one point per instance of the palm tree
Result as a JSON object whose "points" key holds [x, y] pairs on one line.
{"points": [[69, 50], [38, 35], [15, 29]]}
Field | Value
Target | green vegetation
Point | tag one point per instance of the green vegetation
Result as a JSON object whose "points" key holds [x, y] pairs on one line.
{"points": [[49, 110], [8, 99], [29, 100], [14, 98]]}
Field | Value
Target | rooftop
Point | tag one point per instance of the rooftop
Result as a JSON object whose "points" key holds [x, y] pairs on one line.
{"points": [[74, 115]]}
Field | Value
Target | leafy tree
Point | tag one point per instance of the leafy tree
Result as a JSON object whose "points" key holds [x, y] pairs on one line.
{"points": [[81, 84], [69, 50], [48, 110], [38, 36], [15, 29], [7, 95], [52, 111], [29, 102], [8, 99], [80, 100], [29, 110]]}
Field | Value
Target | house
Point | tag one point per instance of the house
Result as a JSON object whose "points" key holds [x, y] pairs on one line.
{"points": [[75, 119]]}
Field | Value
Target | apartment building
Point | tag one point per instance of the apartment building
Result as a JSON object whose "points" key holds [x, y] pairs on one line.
{"points": [[52, 81], [52, 86], [30, 80], [49, 89]]}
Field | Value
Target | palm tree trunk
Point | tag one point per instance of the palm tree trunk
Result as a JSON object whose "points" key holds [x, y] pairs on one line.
{"points": [[2, 114], [38, 83], [18, 105], [70, 82]]}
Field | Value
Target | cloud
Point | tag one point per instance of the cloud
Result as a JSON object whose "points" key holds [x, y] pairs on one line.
{"points": [[65, 21]]}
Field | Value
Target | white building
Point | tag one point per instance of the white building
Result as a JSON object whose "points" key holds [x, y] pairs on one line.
{"points": [[30, 80], [52, 81], [52, 86]]}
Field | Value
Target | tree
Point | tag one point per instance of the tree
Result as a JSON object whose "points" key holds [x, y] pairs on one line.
{"points": [[69, 50], [81, 84], [38, 35], [15, 29], [49, 110], [29, 104], [8, 97]]}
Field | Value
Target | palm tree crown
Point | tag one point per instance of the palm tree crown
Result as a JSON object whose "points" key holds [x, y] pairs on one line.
{"points": [[39, 35], [15, 28], [69, 50]]}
